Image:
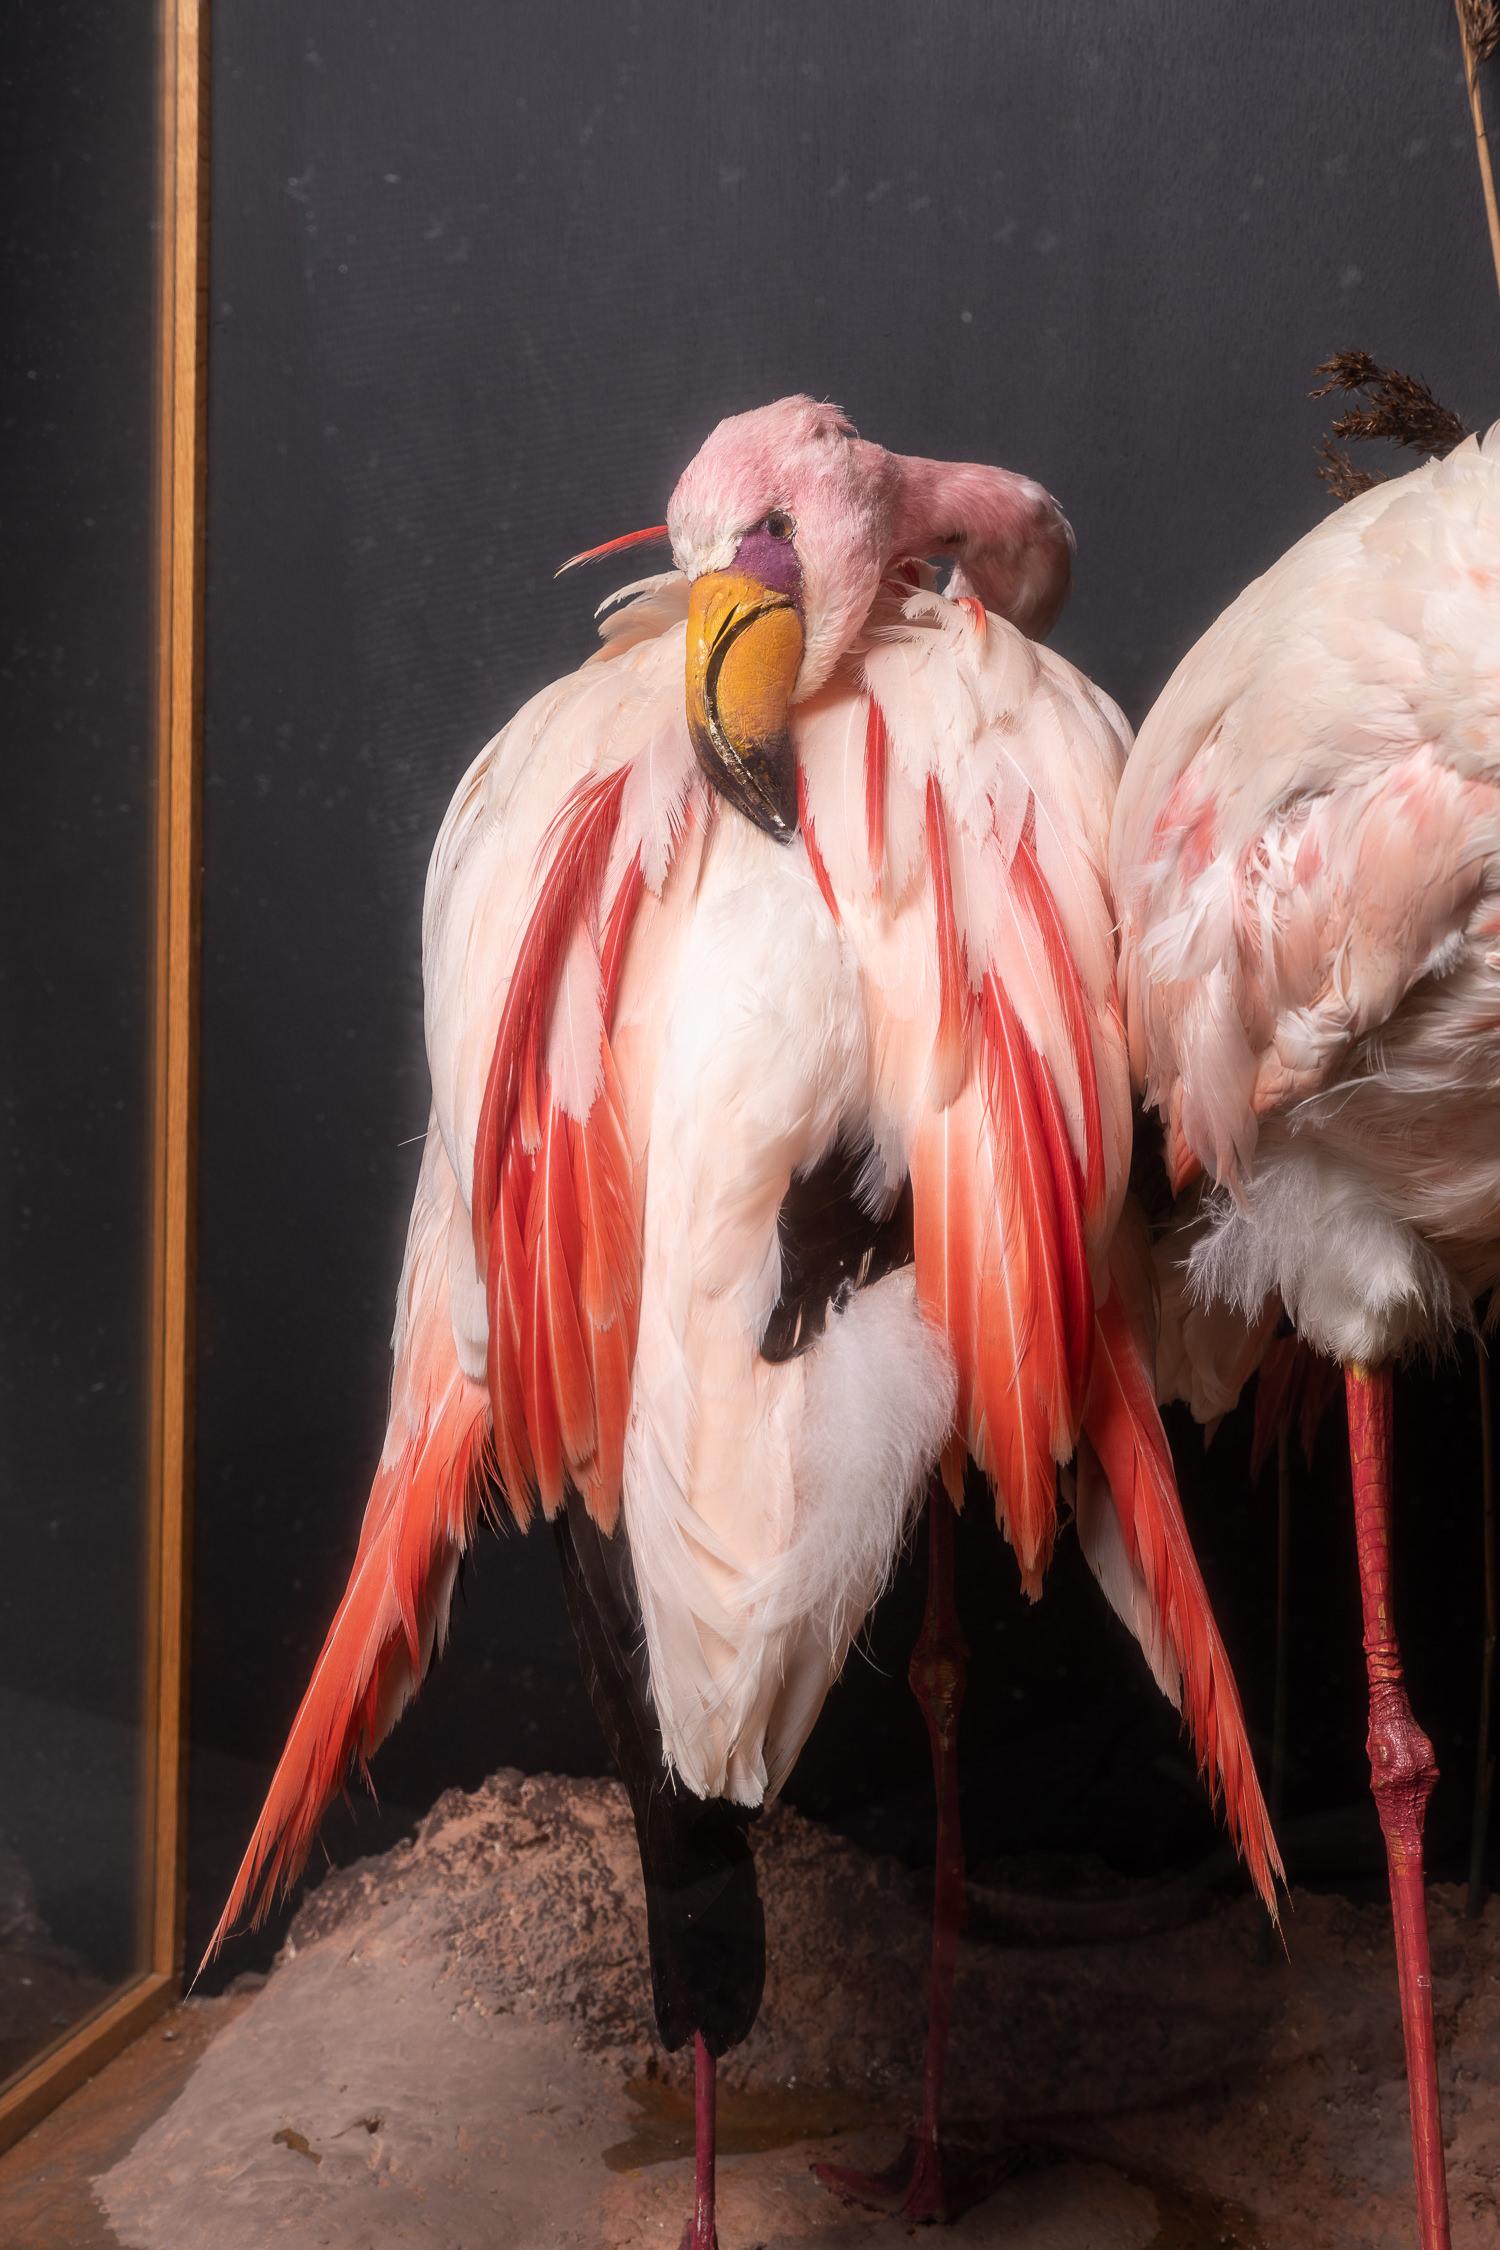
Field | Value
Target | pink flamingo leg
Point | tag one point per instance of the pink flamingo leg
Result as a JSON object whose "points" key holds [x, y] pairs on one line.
{"points": [[915, 2185], [700, 2232], [1402, 1776]]}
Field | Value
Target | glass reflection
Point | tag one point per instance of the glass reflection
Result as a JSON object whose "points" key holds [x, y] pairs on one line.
{"points": [[78, 109]]}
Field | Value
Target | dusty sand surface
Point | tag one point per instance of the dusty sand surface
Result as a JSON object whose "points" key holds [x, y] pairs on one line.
{"points": [[455, 2052]]}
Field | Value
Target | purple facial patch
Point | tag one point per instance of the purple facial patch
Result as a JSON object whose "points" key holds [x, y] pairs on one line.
{"points": [[761, 555]]}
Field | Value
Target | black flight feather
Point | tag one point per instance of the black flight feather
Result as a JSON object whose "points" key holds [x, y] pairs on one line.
{"points": [[831, 1245], [705, 1925]]}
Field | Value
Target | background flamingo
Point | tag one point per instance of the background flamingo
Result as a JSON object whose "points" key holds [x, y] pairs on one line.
{"points": [[1305, 857], [735, 1011]]}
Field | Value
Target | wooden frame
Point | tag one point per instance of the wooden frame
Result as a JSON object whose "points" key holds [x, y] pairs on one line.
{"points": [[182, 207]]}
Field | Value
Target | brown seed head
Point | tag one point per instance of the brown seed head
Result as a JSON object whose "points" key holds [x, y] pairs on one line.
{"points": [[1391, 405], [1481, 27]]}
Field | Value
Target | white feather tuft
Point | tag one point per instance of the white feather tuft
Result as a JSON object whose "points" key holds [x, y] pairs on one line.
{"points": [[1206, 1349], [655, 800], [878, 1407], [647, 606], [881, 1390], [1357, 1282]]}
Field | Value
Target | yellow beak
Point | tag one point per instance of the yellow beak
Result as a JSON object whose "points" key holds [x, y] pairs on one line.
{"points": [[744, 650]]}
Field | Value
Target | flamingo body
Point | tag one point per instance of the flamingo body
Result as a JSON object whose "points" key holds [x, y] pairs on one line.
{"points": [[778, 1151], [1306, 854]]}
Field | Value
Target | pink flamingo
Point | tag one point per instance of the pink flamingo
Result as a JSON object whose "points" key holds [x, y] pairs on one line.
{"points": [[778, 1148], [1306, 858]]}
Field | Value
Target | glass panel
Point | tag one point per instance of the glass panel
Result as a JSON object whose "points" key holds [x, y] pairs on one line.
{"points": [[78, 111]]}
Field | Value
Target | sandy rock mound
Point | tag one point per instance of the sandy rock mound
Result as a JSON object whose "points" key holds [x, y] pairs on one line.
{"points": [[455, 2049]]}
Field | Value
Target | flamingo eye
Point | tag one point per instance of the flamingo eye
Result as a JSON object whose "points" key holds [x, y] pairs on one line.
{"points": [[780, 525]]}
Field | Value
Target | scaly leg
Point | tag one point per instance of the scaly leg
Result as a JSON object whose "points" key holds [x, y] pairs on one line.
{"points": [[1270, 1935], [1484, 1760], [700, 2232], [1283, 1627], [1402, 1776], [915, 2185]]}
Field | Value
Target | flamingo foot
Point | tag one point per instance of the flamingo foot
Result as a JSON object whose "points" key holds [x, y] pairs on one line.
{"points": [[928, 2185]]}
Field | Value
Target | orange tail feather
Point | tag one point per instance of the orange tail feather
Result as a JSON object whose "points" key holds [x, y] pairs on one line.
{"points": [[575, 854], [1029, 1414], [1125, 1430], [948, 1057], [1033, 885], [420, 1517]]}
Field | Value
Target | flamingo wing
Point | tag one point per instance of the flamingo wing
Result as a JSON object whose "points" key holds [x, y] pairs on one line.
{"points": [[967, 862], [926, 979], [515, 1315], [421, 1514], [1309, 823], [960, 798]]}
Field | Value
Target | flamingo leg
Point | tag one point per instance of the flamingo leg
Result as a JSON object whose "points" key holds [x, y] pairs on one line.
{"points": [[1283, 1626], [916, 2185], [1484, 1760], [1276, 1793], [700, 2232], [1402, 1776]]}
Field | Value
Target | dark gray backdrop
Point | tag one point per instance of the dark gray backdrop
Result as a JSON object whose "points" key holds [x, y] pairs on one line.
{"points": [[482, 276]]}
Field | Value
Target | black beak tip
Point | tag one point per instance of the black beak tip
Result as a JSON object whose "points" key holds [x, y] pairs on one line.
{"points": [[779, 818], [760, 782]]}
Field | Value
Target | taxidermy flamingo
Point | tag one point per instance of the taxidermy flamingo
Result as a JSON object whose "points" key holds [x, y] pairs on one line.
{"points": [[1306, 857], [778, 1148]]}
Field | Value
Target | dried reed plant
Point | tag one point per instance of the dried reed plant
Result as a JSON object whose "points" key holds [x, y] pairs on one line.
{"points": [[1479, 30], [1397, 407], [1479, 21]]}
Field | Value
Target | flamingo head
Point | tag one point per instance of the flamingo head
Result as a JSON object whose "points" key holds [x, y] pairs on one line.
{"points": [[781, 524], [785, 523]]}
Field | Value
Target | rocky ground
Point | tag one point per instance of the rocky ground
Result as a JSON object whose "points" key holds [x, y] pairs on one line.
{"points": [[455, 2052]]}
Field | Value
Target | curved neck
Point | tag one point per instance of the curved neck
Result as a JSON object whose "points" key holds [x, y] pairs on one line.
{"points": [[1011, 543]]}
